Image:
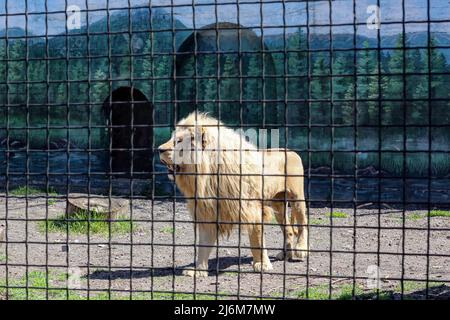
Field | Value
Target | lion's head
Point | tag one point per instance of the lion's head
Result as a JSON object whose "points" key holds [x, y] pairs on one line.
{"points": [[182, 151], [203, 153]]}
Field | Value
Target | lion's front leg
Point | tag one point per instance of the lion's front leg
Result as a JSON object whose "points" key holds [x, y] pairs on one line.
{"points": [[207, 239], [302, 247], [261, 260]]}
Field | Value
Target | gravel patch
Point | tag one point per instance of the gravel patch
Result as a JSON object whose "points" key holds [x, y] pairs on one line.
{"points": [[161, 245]]}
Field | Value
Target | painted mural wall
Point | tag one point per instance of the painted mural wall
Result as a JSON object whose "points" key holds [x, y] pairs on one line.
{"points": [[54, 84]]}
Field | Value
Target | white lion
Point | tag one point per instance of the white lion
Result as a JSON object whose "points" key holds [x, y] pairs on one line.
{"points": [[228, 181]]}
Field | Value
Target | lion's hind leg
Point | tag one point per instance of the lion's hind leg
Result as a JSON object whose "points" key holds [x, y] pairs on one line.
{"points": [[298, 213], [281, 214]]}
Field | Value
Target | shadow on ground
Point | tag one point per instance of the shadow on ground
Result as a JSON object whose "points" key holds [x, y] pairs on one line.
{"points": [[224, 264], [440, 292]]}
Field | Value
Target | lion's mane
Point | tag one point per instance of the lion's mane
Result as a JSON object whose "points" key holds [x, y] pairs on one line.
{"points": [[226, 184]]}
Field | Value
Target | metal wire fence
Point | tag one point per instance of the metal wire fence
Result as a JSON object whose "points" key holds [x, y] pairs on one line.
{"points": [[94, 204]]}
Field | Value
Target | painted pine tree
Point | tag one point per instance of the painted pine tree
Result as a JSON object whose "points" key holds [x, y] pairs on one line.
{"points": [[440, 84], [320, 88], [2, 73], [367, 85], [416, 88], [252, 90], [229, 90], [342, 89], [17, 72], [393, 87], [297, 69], [208, 82]]}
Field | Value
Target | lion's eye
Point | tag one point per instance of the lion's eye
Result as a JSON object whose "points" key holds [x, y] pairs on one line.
{"points": [[178, 141]]}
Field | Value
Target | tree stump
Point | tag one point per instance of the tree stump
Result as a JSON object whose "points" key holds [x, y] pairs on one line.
{"points": [[110, 208]]}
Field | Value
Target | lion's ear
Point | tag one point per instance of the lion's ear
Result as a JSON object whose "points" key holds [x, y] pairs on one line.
{"points": [[203, 130], [198, 135]]}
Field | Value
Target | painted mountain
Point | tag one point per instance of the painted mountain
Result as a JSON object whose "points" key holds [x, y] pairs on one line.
{"points": [[330, 95]]}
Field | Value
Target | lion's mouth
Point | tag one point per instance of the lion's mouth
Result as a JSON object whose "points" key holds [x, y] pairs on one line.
{"points": [[173, 168]]}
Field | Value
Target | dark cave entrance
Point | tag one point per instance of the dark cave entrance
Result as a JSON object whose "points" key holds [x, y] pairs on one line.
{"points": [[130, 118]]}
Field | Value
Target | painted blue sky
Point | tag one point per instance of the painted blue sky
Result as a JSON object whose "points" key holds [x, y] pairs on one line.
{"points": [[249, 14]]}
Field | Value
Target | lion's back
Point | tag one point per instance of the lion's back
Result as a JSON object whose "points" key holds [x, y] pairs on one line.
{"points": [[282, 161]]}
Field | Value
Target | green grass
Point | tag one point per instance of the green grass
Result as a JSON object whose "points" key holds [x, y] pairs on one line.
{"points": [[167, 229], [345, 292], [433, 213], [230, 273], [410, 286], [37, 284], [2, 258], [414, 286], [314, 221], [414, 216], [78, 223], [23, 191], [31, 191], [337, 214], [322, 292], [440, 213], [56, 284]]}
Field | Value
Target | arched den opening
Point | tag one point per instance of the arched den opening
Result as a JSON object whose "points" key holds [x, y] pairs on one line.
{"points": [[229, 65], [130, 118]]}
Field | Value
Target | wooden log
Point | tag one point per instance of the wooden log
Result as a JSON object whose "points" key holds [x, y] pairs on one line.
{"points": [[110, 207]]}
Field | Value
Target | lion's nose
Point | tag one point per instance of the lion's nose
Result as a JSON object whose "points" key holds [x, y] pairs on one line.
{"points": [[162, 149]]}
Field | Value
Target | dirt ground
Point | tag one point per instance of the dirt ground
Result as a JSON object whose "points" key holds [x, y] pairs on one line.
{"points": [[345, 250]]}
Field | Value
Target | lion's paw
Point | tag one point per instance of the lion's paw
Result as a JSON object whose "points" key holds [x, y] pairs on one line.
{"points": [[282, 255], [297, 254], [260, 266], [195, 273], [300, 254]]}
